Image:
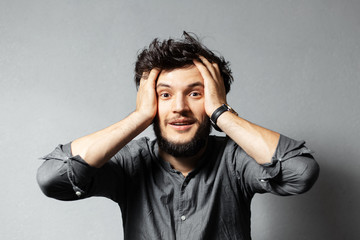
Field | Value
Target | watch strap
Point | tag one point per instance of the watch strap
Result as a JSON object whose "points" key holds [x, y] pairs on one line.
{"points": [[216, 114]]}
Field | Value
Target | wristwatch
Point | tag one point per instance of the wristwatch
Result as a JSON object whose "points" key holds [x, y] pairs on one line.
{"points": [[216, 114]]}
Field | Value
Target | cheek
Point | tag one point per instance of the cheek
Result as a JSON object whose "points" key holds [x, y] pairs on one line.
{"points": [[199, 111], [161, 111]]}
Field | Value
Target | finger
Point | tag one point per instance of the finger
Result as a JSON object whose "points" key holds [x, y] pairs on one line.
{"points": [[209, 66], [150, 77], [144, 75], [203, 70], [217, 70], [154, 74]]}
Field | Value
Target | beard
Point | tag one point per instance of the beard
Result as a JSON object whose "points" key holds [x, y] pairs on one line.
{"points": [[186, 149]]}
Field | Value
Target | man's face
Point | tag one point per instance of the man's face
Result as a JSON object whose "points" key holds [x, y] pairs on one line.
{"points": [[181, 126]]}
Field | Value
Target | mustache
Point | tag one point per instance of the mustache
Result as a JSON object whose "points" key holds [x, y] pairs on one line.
{"points": [[181, 118]]}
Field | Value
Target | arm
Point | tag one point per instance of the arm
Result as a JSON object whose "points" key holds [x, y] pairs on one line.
{"points": [[260, 143], [284, 166], [292, 170], [97, 148], [77, 170]]}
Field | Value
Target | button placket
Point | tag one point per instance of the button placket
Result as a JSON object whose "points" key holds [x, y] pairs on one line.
{"points": [[182, 192]]}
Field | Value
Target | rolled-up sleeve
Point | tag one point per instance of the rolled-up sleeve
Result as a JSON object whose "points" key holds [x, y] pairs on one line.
{"points": [[293, 170], [66, 177], [63, 176]]}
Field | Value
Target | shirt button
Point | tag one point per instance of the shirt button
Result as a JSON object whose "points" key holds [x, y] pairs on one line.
{"points": [[183, 218]]}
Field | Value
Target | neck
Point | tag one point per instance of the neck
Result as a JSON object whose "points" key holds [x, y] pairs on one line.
{"points": [[182, 164]]}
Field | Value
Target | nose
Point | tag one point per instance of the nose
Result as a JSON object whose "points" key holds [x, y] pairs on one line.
{"points": [[180, 104]]}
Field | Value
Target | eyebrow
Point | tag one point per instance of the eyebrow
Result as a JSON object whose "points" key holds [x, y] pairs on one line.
{"points": [[195, 84]]}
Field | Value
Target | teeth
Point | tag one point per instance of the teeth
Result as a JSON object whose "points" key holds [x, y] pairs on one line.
{"points": [[179, 124]]}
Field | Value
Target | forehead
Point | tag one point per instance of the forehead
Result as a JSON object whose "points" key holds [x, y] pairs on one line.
{"points": [[180, 76]]}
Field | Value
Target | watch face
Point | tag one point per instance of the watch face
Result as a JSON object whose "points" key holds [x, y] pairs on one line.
{"points": [[230, 109]]}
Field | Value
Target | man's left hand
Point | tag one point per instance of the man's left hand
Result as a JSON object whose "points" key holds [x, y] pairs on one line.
{"points": [[214, 88]]}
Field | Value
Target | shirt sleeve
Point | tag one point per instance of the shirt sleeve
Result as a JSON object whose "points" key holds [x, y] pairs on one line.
{"points": [[293, 170], [66, 177]]}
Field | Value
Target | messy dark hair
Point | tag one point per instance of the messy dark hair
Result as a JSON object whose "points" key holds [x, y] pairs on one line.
{"points": [[177, 53]]}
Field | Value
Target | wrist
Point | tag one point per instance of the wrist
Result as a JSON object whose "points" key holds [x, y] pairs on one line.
{"points": [[142, 118], [218, 112]]}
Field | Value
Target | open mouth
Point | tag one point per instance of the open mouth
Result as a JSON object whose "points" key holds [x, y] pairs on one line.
{"points": [[182, 124], [179, 124]]}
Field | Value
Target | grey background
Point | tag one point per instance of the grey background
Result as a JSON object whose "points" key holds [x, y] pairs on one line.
{"points": [[66, 70]]}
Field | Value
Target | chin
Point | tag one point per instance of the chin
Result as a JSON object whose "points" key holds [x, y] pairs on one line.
{"points": [[181, 148], [184, 144], [179, 138]]}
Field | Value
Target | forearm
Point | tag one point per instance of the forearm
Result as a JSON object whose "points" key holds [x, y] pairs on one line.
{"points": [[97, 148], [258, 142]]}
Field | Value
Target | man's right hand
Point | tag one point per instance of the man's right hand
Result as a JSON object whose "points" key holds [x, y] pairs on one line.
{"points": [[97, 148], [146, 100]]}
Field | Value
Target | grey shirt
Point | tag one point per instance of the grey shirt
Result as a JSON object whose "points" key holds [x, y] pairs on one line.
{"points": [[158, 202]]}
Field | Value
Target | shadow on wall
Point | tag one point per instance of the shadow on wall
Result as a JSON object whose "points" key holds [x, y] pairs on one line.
{"points": [[336, 209], [330, 210]]}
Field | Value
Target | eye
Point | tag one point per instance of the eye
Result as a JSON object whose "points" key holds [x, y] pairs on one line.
{"points": [[164, 95], [195, 94]]}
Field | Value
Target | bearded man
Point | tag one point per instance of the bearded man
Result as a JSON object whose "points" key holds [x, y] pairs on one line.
{"points": [[185, 184]]}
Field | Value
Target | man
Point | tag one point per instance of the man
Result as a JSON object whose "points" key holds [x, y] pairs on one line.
{"points": [[185, 184]]}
